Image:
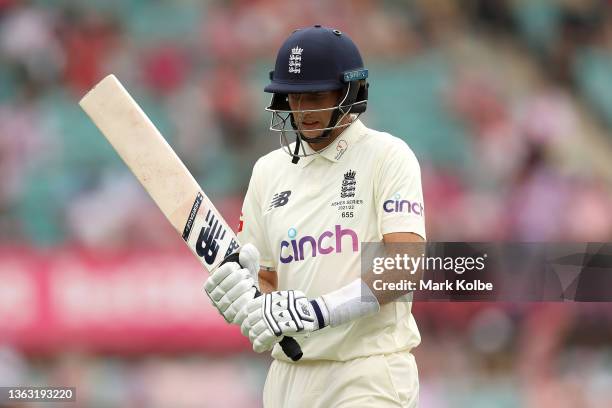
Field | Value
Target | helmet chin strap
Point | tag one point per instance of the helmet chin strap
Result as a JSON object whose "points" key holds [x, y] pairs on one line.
{"points": [[296, 158]]}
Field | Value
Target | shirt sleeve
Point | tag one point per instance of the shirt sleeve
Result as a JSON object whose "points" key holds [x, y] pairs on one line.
{"points": [[399, 194], [251, 229]]}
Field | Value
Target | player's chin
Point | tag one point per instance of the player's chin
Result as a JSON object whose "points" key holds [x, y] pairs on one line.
{"points": [[311, 134]]}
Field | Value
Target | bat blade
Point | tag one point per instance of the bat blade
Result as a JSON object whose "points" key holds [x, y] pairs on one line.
{"points": [[167, 180], [160, 171]]}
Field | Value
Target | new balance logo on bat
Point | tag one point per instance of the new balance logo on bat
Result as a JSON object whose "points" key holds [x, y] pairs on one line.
{"points": [[279, 199], [207, 245], [233, 246]]}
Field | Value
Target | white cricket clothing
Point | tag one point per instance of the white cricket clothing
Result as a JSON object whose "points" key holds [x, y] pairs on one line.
{"points": [[308, 221], [378, 381]]}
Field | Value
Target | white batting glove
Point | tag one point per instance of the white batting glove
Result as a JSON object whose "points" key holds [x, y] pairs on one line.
{"points": [[276, 314], [230, 287]]}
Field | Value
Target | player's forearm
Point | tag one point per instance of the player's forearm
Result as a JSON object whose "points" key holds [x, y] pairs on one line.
{"points": [[268, 280], [362, 297], [384, 285], [385, 296], [396, 270], [354, 301]]}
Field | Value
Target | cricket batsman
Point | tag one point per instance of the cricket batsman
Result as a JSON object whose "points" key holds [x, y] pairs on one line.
{"points": [[310, 205]]}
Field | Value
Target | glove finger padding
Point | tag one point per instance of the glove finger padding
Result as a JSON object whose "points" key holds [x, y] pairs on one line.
{"points": [[233, 314], [265, 342], [258, 330], [230, 287], [250, 314], [233, 294], [235, 278], [218, 276]]}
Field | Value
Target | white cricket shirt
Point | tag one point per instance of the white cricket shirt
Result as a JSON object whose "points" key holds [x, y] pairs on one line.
{"points": [[308, 221]]}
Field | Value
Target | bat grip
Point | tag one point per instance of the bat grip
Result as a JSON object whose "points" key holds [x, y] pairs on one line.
{"points": [[290, 347]]}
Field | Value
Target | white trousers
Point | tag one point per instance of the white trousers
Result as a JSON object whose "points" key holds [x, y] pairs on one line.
{"points": [[386, 380]]}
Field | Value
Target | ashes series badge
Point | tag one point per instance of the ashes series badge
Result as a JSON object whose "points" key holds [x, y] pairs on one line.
{"points": [[347, 205]]}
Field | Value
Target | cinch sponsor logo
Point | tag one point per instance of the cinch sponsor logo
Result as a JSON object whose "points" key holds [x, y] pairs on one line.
{"points": [[399, 205], [329, 241]]}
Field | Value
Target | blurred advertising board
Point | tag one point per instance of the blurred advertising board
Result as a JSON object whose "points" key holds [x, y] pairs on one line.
{"points": [[132, 301]]}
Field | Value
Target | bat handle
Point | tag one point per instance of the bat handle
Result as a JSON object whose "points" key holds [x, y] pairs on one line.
{"points": [[290, 347]]}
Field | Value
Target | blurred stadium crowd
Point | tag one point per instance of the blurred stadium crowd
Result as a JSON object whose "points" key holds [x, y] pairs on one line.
{"points": [[506, 103]]}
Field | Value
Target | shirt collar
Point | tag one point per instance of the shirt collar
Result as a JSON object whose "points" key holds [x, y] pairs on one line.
{"points": [[336, 150]]}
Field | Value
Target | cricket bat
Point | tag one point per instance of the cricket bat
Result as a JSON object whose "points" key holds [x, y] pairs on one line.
{"points": [[160, 171]]}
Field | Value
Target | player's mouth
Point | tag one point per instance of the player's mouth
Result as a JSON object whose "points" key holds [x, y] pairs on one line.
{"points": [[310, 125]]}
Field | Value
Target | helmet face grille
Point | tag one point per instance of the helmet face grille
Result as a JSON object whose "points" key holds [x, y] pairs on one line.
{"points": [[282, 117]]}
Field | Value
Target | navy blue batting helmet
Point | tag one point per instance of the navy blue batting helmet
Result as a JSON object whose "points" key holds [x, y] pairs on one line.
{"points": [[316, 59]]}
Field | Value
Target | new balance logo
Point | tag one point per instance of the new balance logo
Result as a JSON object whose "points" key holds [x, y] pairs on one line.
{"points": [[279, 199], [233, 246], [207, 245]]}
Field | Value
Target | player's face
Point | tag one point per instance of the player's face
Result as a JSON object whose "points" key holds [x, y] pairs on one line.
{"points": [[308, 122]]}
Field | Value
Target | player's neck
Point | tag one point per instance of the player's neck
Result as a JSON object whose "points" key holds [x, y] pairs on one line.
{"points": [[346, 122]]}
